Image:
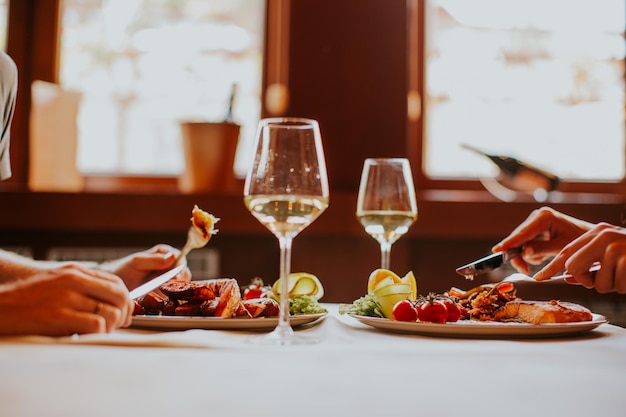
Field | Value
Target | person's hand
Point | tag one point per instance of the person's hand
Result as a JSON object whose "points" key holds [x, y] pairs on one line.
{"points": [[604, 244], [542, 235], [139, 267], [63, 301]]}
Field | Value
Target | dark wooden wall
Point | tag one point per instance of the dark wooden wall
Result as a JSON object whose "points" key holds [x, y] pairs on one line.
{"points": [[348, 69]]}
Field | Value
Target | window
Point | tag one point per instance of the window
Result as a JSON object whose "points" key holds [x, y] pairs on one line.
{"points": [[540, 80], [3, 24], [143, 66]]}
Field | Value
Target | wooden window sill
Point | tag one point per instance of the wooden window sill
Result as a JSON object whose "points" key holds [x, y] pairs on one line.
{"points": [[443, 213]]}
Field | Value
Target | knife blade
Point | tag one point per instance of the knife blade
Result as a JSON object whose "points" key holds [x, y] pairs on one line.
{"points": [[488, 263], [155, 282]]}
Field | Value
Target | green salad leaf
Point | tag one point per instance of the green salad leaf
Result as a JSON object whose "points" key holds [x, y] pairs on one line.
{"points": [[305, 304], [364, 306]]}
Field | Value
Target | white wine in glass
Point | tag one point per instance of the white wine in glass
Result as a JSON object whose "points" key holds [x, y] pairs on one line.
{"points": [[286, 189], [386, 204]]}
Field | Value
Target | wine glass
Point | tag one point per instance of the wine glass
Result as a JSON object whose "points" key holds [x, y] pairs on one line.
{"points": [[386, 204], [286, 189]]}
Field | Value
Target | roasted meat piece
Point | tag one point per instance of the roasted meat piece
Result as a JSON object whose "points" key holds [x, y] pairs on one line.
{"points": [[262, 307], [187, 290], [152, 303]]}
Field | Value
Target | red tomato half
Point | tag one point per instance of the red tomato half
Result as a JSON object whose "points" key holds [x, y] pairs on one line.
{"points": [[433, 311], [404, 311]]}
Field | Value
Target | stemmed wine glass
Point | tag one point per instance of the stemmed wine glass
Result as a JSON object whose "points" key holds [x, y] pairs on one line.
{"points": [[286, 189], [386, 204]]}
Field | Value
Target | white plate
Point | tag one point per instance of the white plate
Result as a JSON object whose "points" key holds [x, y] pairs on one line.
{"points": [[218, 323], [482, 329]]}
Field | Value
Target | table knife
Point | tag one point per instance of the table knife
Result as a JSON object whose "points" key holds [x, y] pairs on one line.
{"points": [[155, 282], [488, 263]]}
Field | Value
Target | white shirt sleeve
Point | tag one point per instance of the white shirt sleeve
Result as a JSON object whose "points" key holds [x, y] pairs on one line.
{"points": [[8, 93]]}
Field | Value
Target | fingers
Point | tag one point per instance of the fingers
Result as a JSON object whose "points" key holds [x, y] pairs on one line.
{"points": [[603, 244], [113, 316], [157, 258], [65, 300], [61, 322], [543, 234], [520, 265], [96, 300], [534, 237], [98, 293]]}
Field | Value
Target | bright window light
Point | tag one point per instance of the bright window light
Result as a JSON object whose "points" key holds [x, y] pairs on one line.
{"points": [[143, 66], [540, 80]]}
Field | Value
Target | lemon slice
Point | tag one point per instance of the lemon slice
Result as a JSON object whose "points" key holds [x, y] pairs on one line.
{"points": [[409, 278], [380, 278], [299, 284], [388, 296], [393, 289]]}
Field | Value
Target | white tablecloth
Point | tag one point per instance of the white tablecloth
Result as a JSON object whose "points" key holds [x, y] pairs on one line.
{"points": [[354, 371]]}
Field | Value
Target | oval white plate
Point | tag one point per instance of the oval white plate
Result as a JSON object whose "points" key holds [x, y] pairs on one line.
{"points": [[218, 323], [478, 329]]}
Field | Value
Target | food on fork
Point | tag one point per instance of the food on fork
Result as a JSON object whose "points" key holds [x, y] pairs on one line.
{"points": [[203, 222]]}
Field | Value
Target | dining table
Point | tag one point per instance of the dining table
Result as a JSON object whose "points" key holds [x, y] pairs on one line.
{"points": [[355, 369]]}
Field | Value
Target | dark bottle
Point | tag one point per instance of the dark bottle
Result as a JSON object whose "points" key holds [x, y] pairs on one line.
{"points": [[231, 101], [519, 175]]}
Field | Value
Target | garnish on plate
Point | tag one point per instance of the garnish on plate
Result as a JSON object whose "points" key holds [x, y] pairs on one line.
{"points": [[389, 296], [305, 291], [364, 306], [384, 289]]}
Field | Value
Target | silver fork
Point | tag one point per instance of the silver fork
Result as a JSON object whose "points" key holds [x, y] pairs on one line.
{"points": [[195, 240]]}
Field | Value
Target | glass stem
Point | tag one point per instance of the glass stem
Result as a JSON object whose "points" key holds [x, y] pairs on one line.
{"points": [[385, 255], [284, 328]]}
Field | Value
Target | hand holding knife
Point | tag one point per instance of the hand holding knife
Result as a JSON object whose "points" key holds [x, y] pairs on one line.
{"points": [[496, 260], [488, 263]]}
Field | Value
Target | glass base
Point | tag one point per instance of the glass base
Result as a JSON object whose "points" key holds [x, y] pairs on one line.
{"points": [[283, 336]]}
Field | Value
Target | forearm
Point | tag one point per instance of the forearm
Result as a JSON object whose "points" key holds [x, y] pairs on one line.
{"points": [[14, 267]]}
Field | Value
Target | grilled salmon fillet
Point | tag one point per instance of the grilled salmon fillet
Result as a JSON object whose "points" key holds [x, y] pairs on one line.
{"points": [[539, 312]]}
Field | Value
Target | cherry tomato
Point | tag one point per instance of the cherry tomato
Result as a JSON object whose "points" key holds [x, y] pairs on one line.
{"points": [[254, 291], [433, 311], [464, 313], [404, 311], [454, 312]]}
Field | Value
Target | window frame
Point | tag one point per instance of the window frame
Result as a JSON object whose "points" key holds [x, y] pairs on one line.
{"points": [[416, 10], [33, 33]]}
